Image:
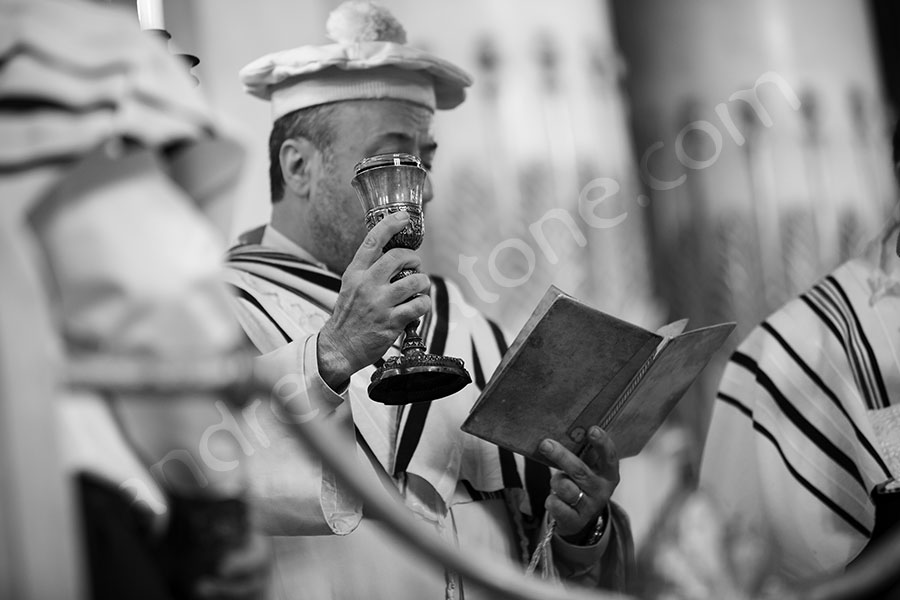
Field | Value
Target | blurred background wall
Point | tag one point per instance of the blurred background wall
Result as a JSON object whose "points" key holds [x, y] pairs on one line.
{"points": [[658, 159]]}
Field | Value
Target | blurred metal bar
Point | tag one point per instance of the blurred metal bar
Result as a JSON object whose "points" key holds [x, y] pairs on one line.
{"points": [[231, 375], [38, 548], [235, 375]]}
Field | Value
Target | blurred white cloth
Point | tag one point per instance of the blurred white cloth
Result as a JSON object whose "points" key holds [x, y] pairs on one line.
{"points": [[102, 134]]}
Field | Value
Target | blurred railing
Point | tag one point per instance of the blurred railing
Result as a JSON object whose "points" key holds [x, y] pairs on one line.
{"points": [[234, 376]]}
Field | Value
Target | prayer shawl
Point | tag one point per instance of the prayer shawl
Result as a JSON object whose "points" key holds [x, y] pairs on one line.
{"points": [[429, 443], [281, 298], [806, 419]]}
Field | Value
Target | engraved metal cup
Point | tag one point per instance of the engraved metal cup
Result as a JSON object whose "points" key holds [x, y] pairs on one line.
{"points": [[385, 184]]}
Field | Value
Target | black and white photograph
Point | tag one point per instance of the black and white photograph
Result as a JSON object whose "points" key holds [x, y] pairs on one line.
{"points": [[449, 300]]}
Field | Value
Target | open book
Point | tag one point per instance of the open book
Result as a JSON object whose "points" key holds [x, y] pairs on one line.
{"points": [[572, 367]]}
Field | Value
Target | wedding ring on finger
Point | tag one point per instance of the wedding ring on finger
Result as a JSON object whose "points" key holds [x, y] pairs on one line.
{"points": [[575, 504]]}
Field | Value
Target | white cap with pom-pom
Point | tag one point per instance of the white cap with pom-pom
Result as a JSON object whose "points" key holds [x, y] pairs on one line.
{"points": [[369, 60]]}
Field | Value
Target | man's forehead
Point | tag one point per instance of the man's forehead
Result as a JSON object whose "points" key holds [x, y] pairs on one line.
{"points": [[388, 118], [423, 138]]}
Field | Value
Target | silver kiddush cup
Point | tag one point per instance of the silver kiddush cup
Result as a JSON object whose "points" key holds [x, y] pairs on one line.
{"points": [[385, 184]]}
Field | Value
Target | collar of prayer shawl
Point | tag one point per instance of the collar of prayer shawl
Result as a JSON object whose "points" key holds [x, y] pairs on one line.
{"points": [[267, 236], [248, 252]]}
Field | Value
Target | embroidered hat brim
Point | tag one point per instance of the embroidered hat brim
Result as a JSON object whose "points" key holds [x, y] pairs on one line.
{"points": [[312, 75]]}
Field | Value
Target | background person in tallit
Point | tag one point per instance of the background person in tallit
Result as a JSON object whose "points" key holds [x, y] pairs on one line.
{"points": [[101, 133], [313, 292], [806, 422]]}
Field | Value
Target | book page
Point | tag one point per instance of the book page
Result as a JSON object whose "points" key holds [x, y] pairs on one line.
{"points": [[673, 329]]}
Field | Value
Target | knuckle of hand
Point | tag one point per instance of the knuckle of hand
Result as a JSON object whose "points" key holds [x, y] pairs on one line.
{"points": [[609, 451], [582, 474], [411, 256]]}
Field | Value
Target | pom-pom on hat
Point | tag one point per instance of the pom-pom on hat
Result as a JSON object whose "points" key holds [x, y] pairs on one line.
{"points": [[369, 60]]}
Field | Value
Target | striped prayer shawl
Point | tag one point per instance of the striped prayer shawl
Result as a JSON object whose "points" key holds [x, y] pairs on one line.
{"points": [[281, 299], [791, 446]]}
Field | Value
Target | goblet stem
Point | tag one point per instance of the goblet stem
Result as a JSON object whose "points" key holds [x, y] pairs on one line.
{"points": [[412, 341]]}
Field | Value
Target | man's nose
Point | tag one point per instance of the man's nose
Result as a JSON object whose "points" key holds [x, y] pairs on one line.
{"points": [[427, 190]]}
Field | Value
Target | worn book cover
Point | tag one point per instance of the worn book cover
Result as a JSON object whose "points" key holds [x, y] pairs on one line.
{"points": [[573, 366]]}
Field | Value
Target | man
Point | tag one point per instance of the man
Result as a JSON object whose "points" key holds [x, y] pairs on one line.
{"points": [[99, 132], [314, 294], [805, 423]]}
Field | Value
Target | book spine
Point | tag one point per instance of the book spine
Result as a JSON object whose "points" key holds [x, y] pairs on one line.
{"points": [[626, 395]]}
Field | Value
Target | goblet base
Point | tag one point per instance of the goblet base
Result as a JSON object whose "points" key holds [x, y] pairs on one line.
{"points": [[417, 378]]}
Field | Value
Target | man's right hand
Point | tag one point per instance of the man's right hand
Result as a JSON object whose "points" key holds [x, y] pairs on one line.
{"points": [[371, 312]]}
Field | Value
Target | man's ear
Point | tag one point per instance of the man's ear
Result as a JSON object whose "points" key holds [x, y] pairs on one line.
{"points": [[298, 157]]}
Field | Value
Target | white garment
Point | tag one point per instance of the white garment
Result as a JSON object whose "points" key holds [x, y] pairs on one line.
{"points": [[368, 563]]}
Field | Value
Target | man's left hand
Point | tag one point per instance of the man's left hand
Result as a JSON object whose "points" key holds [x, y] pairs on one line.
{"points": [[582, 487]]}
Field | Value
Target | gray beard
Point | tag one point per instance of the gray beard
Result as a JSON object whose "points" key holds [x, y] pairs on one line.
{"points": [[334, 244]]}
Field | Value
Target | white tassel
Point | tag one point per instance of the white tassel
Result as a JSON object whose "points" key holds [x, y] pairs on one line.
{"points": [[543, 556], [363, 21]]}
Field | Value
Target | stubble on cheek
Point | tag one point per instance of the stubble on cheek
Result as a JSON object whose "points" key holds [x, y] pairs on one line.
{"points": [[337, 235]]}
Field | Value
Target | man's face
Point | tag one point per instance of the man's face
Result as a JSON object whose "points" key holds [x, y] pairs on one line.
{"points": [[363, 128]]}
